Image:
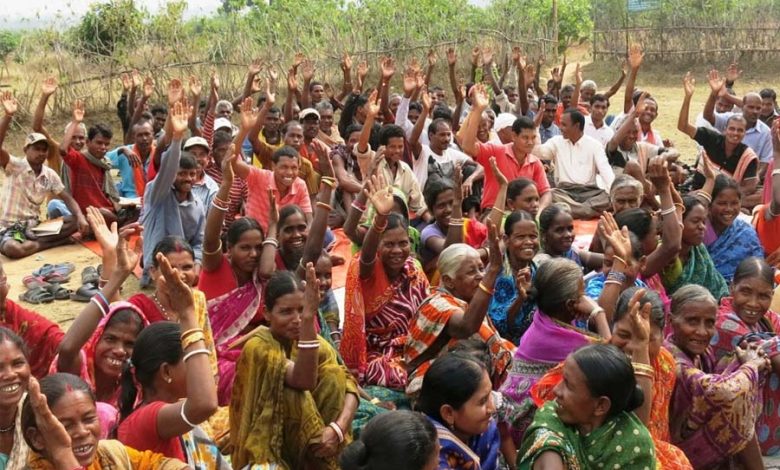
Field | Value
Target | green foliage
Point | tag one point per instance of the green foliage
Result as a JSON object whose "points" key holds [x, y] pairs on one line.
{"points": [[9, 42], [106, 26]]}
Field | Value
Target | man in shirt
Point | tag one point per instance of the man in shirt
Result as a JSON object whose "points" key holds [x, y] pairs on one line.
{"points": [[134, 162], [27, 185], [594, 123], [546, 119], [169, 207], [579, 162], [328, 132], [514, 159], [204, 187], [768, 106]]}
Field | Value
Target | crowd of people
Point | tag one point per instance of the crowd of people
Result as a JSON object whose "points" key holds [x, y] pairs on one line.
{"points": [[475, 329]]}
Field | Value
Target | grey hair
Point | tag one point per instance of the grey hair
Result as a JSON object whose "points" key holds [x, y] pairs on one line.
{"points": [[452, 257], [556, 282], [690, 293], [323, 106], [588, 84], [224, 104], [625, 181], [81, 125]]}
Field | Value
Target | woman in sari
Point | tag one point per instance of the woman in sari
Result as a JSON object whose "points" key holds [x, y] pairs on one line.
{"points": [[13, 383], [168, 389], [713, 413], [456, 310], [745, 316], [558, 291], [728, 238], [591, 423], [456, 396], [385, 286], [65, 398], [556, 227], [766, 217], [292, 404], [510, 309], [693, 264]]}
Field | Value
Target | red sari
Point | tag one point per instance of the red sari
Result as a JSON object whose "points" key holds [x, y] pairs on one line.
{"points": [[42, 336]]}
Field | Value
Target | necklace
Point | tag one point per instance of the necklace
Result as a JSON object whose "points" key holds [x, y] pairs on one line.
{"points": [[9, 428], [160, 306]]}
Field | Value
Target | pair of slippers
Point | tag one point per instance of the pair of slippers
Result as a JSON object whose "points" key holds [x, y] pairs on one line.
{"points": [[45, 283], [90, 279]]}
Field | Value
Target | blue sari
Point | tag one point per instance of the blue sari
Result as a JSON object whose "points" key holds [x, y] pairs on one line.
{"points": [[505, 294], [481, 453], [737, 242]]}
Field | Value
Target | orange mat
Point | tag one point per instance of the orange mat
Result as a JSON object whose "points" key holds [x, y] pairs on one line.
{"points": [[342, 247], [94, 247], [584, 230]]}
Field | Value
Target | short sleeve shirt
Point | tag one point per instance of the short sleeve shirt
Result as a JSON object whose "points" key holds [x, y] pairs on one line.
{"points": [[445, 162], [257, 204], [714, 144], [531, 168], [23, 191]]}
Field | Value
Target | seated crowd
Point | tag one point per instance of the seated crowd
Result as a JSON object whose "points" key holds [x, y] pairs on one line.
{"points": [[475, 328]]}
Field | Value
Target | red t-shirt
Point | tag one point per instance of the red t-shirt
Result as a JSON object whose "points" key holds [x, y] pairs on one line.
{"points": [[532, 168], [258, 206], [86, 182], [139, 431]]}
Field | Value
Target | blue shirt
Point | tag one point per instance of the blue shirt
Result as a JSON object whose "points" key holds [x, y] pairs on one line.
{"points": [[548, 132], [126, 186], [163, 215], [205, 191], [758, 137]]}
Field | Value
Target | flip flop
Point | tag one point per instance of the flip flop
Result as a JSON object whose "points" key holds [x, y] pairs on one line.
{"points": [[90, 275], [58, 291], [32, 282], [84, 293], [56, 278], [37, 295]]}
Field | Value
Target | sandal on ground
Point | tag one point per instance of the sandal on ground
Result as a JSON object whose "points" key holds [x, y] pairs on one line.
{"points": [[56, 278], [84, 293], [90, 275], [31, 282], [58, 291], [37, 295]]}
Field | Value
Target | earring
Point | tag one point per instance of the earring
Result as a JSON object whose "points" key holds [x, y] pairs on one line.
{"points": [[168, 380]]}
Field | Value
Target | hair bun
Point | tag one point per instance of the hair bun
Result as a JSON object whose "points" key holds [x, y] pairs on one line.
{"points": [[354, 456], [636, 399]]}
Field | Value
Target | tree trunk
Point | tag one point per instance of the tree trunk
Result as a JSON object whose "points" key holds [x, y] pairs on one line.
{"points": [[555, 27]]}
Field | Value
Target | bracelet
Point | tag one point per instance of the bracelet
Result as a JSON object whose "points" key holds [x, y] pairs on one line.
{"points": [[192, 340], [188, 333], [358, 208], [642, 367], [218, 250], [704, 195], [668, 211], [680, 205], [337, 430], [271, 241], [457, 222], [218, 207], [596, 310], [617, 276], [378, 229], [645, 375], [332, 184], [328, 179], [618, 258], [95, 301], [375, 401], [328, 207], [613, 281], [195, 353], [485, 289], [334, 333], [308, 346], [184, 417], [221, 201], [776, 172]]}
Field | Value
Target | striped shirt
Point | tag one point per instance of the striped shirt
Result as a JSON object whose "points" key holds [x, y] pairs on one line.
{"points": [[23, 191]]}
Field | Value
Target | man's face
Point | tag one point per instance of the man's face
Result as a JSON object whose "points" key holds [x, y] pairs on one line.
{"points": [[413, 115], [598, 111], [750, 109], [219, 153], [513, 96], [651, 112], [631, 136], [272, 122], [293, 137], [394, 150], [326, 120], [36, 154], [79, 138], [586, 94], [99, 145], [142, 137], [767, 107], [285, 172], [353, 140], [569, 130], [224, 112], [317, 93], [393, 104], [735, 131], [185, 179], [159, 121], [566, 98], [441, 139], [311, 127], [201, 155], [549, 114], [723, 105], [441, 96]]}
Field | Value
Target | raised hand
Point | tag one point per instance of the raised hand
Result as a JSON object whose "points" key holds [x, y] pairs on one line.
{"points": [[175, 91], [292, 82], [475, 53], [487, 55], [641, 104], [126, 258], [173, 291], [362, 70], [715, 81], [420, 80], [457, 179], [270, 96], [372, 107], [148, 87], [323, 159], [578, 74], [380, 195], [658, 172], [529, 74], [273, 76], [9, 103], [214, 83], [635, 56], [414, 64], [733, 73], [346, 63], [689, 84], [249, 114], [255, 67], [298, 59], [523, 282], [273, 211], [452, 57], [195, 85], [311, 293], [387, 65], [108, 238], [517, 57], [307, 70], [624, 67], [49, 86], [137, 80], [431, 57], [55, 437], [127, 82], [426, 100], [500, 178], [479, 96], [555, 74], [78, 111], [495, 256], [179, 116], [617, 238], [227, 164], [706, 168]]}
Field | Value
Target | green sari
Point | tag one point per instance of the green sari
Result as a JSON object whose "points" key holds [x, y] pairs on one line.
{"points": [[699, 269], [621, 442]]}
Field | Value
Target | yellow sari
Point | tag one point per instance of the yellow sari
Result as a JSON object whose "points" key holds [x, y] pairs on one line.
{"points": [[113, 455]]}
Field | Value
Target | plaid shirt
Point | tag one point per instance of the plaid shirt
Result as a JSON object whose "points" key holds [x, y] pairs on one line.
{"points": [[23, 191]]}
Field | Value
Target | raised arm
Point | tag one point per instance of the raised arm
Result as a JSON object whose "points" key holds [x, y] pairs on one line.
{"points": [[307, 71], [775, 175], [346, 71], [48, 88], [452, 61], [683, 125], [302, 374], [319, 225], [258, 146], [148, 89], [487, 70], [169, 166], [292, 90], [475, 56], [9, 106], [717, 88], [108, 239], [635, 56], [629, 122], [522, 86], [387, 67], [365, 133], [251, 85], [431, 59], [418, 129], [249, 118], [381, 197], [479, 104], [671, 229], [618, 239], [575, 97], [195, 89], [215, 217], [78, 118], [497, 211]]}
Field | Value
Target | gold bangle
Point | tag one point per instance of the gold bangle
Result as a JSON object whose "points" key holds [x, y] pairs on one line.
{"points": [[618, 258], [218, 250], [190, 332], [324, 205], [379, 229], [192, 339], [485, 289], [332, 184]]}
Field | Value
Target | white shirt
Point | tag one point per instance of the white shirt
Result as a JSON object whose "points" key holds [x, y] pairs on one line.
{"points": [[577, 163], [603, 134], [402, 120], [421, 164]]}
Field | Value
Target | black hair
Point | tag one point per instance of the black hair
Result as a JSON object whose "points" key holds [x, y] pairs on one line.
{"points": [[287, 211], [608, 373], [657, 314], [523, 122], [314, 83], [159, 109], [284, 151], [752, 266], [287, 125], [515, 217], [435, 186], [396, 221], [722, 183], [549, 99], [556, 282], [442, 111], [126, 316], [280, 284], [475, 348], [158, 344], [53, 387], [434, 125], [187, 162], [639, 221], [99, 129], [517, 186], [171, 244], [416, 105], [351, 129], [549, 214], [221, 137], [689, 203], [11, 337], [239, 226], [768, 93], [509, 88], [274, 110], [404, 207], [599, 97], [393, 440], [567, 89], [451, 380], [390, 131], [577, 118]]}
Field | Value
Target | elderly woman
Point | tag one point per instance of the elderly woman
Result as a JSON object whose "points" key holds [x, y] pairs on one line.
{"points": [[456, 310]]}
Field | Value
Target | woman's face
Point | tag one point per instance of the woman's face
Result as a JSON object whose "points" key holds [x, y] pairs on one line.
{"points": [[184, 262], [245, 254], [77, 412], [624, 198], [575, 404], [650, 242], [467, 278], [394, 248], [324, 271], [751, 299], [560, 234], [14, 375], [523, 243], [725, 208], [473, 418], [694, 225], [623, 334], [285, 316], [293, 233], [527, 200], [442, 209], [695, 327], [116, 346]]}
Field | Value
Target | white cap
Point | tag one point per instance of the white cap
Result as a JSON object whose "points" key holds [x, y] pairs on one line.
{"points": [[503, 121], [308, 112], [223, 123], [195, 141]]}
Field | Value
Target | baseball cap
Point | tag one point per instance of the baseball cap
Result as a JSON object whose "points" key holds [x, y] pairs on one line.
{"points": [[504, 120], [308, 112], [195, 141], [224, 123], [34, 138]]}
